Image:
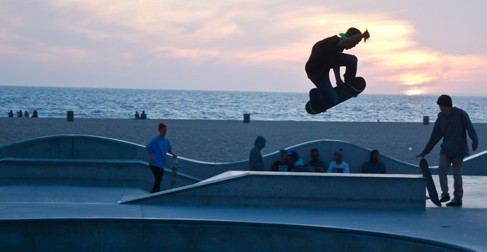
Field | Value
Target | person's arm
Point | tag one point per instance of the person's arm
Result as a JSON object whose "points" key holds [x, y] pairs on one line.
{"points": [[174, 156], [471, 133], [148, 154], [169, 150], [329, 170], [346, 168], [436, 135], [355, 39]]}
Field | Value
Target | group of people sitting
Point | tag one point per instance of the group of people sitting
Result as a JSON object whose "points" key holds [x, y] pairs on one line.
{"points": [[21, 114], [290, 161]]}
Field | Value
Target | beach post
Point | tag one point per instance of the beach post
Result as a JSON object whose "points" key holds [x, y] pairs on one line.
{"points": [[246, 118], [70, 116], [426, 120]]}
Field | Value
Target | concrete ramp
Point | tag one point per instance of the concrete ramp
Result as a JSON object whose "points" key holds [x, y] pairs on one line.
{"points": [[297, 190]]}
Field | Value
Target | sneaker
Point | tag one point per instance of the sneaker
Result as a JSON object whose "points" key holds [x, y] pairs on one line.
{"points": [[445, 197], [454, 203]]}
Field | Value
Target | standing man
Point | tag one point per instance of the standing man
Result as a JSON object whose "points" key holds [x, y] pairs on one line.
{"points": [[156, 150], [328, 54], [256, 161], [452, 125]]}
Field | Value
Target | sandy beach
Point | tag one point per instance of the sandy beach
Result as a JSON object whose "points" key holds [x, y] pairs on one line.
{"points": [[228, 141]]}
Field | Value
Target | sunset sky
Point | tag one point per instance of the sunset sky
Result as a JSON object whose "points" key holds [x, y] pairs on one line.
{"points": [[416, 47]]}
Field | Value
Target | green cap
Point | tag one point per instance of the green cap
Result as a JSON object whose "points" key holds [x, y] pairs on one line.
{"points": [[350, 32]]}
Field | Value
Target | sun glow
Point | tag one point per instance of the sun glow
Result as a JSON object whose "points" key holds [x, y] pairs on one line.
{"points": [[415, 91]]}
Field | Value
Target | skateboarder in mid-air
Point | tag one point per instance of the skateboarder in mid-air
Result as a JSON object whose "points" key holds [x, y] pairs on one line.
{"points": [[328, 54]]}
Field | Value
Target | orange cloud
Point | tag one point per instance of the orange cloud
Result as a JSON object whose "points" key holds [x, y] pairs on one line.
{"points": [[265, 35]]}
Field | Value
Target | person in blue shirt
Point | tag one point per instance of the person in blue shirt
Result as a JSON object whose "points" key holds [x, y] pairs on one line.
{"points": [[156, 151], [374, 165], [338, 165], [452, 125]]}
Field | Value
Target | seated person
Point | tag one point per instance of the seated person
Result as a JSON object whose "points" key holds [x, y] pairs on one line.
{"points": [[338, 165], [315, 164], [295, 163], [282, 164], [374, 165], [34, 114]]}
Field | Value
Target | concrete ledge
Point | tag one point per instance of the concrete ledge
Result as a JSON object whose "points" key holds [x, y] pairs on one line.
{"points": [[298, 190]]}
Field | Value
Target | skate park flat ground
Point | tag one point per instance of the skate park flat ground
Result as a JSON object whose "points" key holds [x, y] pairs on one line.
{"points": [[463, 227]]}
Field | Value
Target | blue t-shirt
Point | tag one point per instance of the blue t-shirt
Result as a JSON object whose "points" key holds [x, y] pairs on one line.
{"points": [[158, 148], [338, 168]]}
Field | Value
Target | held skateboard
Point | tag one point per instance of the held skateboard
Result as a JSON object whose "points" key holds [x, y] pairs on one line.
{"points": [[430, 184], [317, 102], [174, 174]]}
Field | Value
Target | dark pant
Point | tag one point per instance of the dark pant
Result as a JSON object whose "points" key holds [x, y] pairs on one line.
{"points": [[158, 172], [322, 81]]}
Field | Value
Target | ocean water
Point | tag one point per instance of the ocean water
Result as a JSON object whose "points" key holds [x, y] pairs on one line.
{"points": [[53, 102]]}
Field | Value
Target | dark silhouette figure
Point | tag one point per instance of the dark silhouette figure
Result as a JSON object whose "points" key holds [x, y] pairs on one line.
{"points": [[256, 161], [10, 114], [374, 165], [328, 54], [282, 164], [315, 164], [452, 125], [143, 116]]}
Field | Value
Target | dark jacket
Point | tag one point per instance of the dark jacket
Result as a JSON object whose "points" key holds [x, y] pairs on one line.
{"points": [[256, 161], [453, 129], [323, 54]]}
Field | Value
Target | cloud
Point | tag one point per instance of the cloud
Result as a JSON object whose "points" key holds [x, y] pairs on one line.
{"points": [[257, 42]]}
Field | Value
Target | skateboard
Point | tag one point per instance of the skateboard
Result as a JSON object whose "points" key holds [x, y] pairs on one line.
{"points": [[430, 184], [174, 174], [318, 104]]}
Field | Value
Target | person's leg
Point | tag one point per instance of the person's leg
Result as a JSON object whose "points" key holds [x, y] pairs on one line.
{"points": [[157, 172], [457, 178], [350, 64], [443, 167], [324, 85]]}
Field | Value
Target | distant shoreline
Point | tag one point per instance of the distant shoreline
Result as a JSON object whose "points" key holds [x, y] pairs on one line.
{"points": [[237, 91]]}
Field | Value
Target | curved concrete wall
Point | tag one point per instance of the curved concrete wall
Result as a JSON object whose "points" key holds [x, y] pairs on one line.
{"points": [[187, 235], [74, 147], [92, 147], [86, 172]]}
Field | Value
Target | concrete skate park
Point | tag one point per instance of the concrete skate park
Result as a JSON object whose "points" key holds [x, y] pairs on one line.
{"points": [[79, 192]]}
